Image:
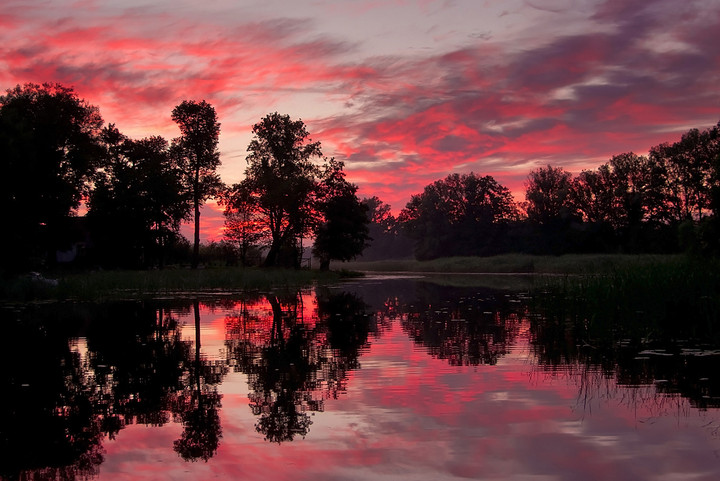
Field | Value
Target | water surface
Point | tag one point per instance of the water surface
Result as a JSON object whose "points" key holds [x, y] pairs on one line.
{"points": [[381, 378]]}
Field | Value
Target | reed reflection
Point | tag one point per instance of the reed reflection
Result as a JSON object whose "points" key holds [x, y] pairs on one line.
{"points": [[675, 355]]}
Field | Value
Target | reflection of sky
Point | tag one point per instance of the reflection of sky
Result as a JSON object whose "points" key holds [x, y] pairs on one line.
{"points": [[404, 92], [411, 416]]}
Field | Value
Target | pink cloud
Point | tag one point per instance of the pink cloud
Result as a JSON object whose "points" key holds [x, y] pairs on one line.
{"points": [[634, 77]]}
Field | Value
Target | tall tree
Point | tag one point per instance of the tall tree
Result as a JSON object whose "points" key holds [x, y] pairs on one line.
{"points": [[343, 231], [689, 165], [282, 181], [138, 202], [593, 195], [243, 225], [547, 192], [459, 215], [48, 152], [623, 192], [198, 148]]}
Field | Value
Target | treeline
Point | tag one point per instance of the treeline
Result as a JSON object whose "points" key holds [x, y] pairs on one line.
{"points": [[663, 202], [56, 153]]}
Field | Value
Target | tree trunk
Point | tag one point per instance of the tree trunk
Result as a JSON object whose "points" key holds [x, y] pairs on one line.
{"points": [[271, 258], [198, 363], [196, 204], [324, 263]]}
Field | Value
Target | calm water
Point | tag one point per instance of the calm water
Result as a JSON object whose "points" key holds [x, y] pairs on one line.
{"points": [[375, 379]]}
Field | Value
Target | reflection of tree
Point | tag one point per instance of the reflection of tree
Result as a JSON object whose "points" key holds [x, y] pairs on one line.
{"points": [[201, 425], [293, 364], [62, 396], [465, 327], [198, 405], [47, 426], [145, 373], [138, 361]]}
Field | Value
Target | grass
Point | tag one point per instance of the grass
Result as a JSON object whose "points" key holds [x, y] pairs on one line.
{"points": [[674, 297], [98, 285], [515, 263]]}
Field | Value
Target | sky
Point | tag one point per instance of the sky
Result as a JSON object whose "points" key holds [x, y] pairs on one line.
{"points": [[404, 92]]}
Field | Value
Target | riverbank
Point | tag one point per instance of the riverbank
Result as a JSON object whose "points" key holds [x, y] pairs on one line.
{"points": [[94, 285], [516, 264]]}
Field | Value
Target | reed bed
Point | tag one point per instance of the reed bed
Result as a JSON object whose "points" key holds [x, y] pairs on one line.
{"points": [[112, 284]]}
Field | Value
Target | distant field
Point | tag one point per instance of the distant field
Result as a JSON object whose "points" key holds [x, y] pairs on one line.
{"points": [[514, 263]]}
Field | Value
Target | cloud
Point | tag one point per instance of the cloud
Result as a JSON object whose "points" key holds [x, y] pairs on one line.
{"points": [[559, 85]]}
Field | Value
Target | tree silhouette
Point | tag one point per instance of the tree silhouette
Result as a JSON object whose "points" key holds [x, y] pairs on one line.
{"points": [[281, 181], [386, 238], [48, 152], [688, 163], [342, 234], [459, 215], [547, 192], [197, 151], [138, 201], [243, 224]]}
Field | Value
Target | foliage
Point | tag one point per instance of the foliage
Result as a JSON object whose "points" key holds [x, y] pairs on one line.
{"points": [[243, 226], [138, 202], [281, 183], [48, 152], [343, 233], [197, 152], [689, 166], [547, 193], [459, 215], [386, 238]]}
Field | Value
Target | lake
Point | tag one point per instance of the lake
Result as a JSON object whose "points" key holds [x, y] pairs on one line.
{"points": [[387, 377]]}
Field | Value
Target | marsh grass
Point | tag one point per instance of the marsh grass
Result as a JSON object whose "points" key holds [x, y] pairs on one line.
{"points": [[514, 263], [98, 285], [668, 299]]}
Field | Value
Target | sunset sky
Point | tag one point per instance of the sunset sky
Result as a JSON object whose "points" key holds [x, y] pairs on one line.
{"points": [[404, 92]]}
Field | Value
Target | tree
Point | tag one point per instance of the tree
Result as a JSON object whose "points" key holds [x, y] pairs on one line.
{"points": [[197, 147], [386, 239], [622, 193], [138, 202], [459, 215], [282, 181], [48, 152], [343, 232], [593, 195], [547, 192], [689, 166], [243, 224]]}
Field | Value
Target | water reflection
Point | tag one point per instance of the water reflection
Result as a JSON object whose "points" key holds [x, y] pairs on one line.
{"points": [[678, 360], [77, 375], [464, 327], [294, 363]]}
